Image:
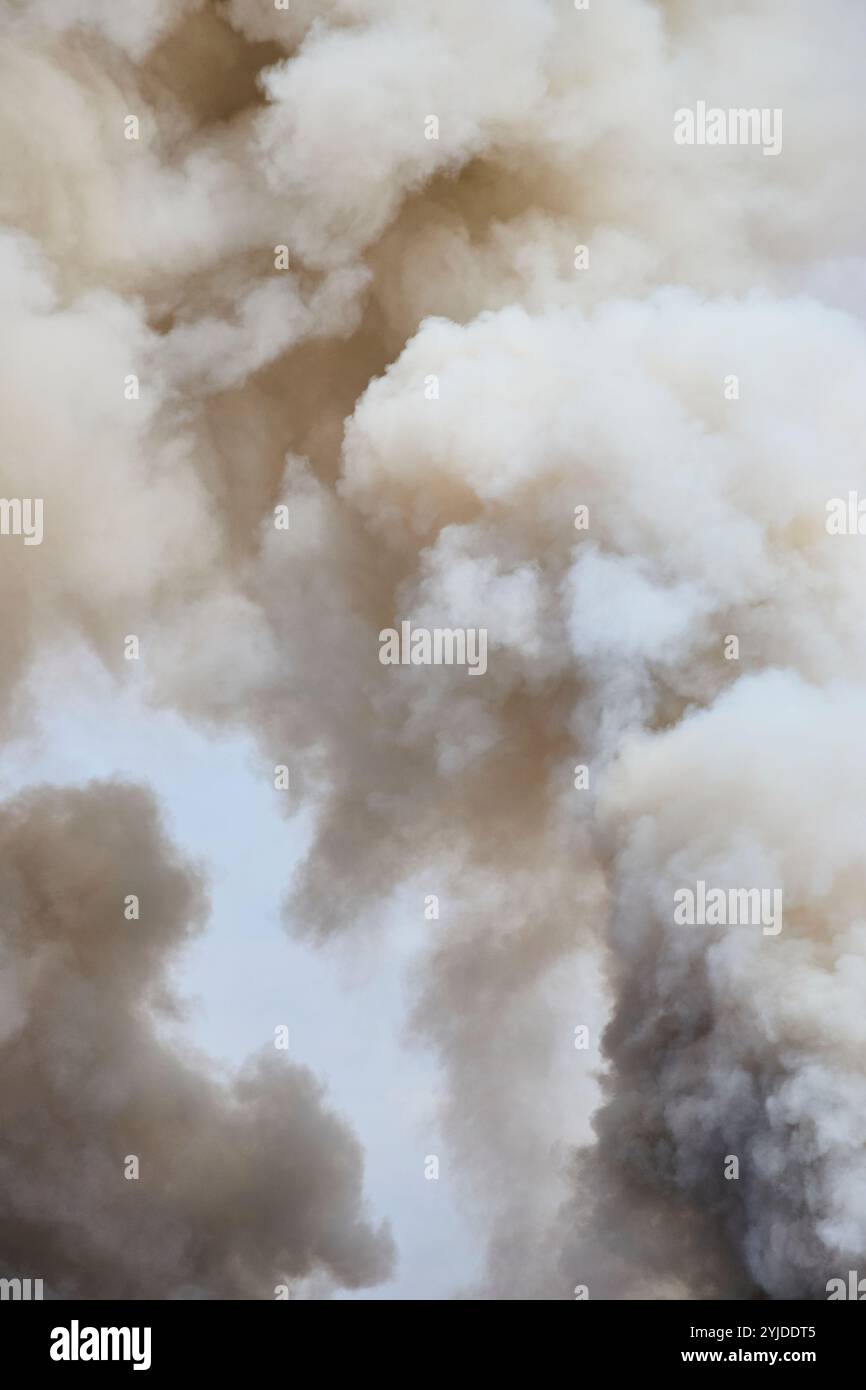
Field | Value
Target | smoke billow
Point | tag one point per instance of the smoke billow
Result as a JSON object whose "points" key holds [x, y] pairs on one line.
{"points": [[238, 1187], [508, 293]]}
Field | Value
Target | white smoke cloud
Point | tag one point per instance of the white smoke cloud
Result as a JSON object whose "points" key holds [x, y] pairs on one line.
{"points": [[133, 28], [556, 386]]}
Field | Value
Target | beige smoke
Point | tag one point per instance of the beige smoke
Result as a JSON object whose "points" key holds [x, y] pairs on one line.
{"points": [[240, 1187], [454, 258]]}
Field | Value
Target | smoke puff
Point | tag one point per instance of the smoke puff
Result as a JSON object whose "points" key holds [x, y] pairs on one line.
{"points": [[243, 1185], [729, 1041]]}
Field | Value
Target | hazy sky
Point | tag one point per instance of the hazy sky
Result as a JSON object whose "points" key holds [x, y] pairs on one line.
{"points": [[345, 1007]]}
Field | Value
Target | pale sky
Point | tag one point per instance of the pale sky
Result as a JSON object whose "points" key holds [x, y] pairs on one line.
{"points": [[344, 1004]]}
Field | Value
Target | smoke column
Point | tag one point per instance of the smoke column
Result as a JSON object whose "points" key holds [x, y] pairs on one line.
{"points": [[436, 276]]}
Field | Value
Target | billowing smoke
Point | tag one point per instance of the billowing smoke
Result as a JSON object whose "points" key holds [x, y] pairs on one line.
{"points": [[436, 276], [127, 1170]]}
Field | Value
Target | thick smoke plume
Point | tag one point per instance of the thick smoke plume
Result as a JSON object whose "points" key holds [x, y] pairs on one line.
{"points": [[238, 1188], [559, 382]]}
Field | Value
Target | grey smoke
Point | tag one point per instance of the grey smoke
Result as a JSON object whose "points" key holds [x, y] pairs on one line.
{"points": [[243, 1185]]}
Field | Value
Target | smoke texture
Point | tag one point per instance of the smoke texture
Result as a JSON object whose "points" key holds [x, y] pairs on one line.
{"points": [[329, 304]]}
